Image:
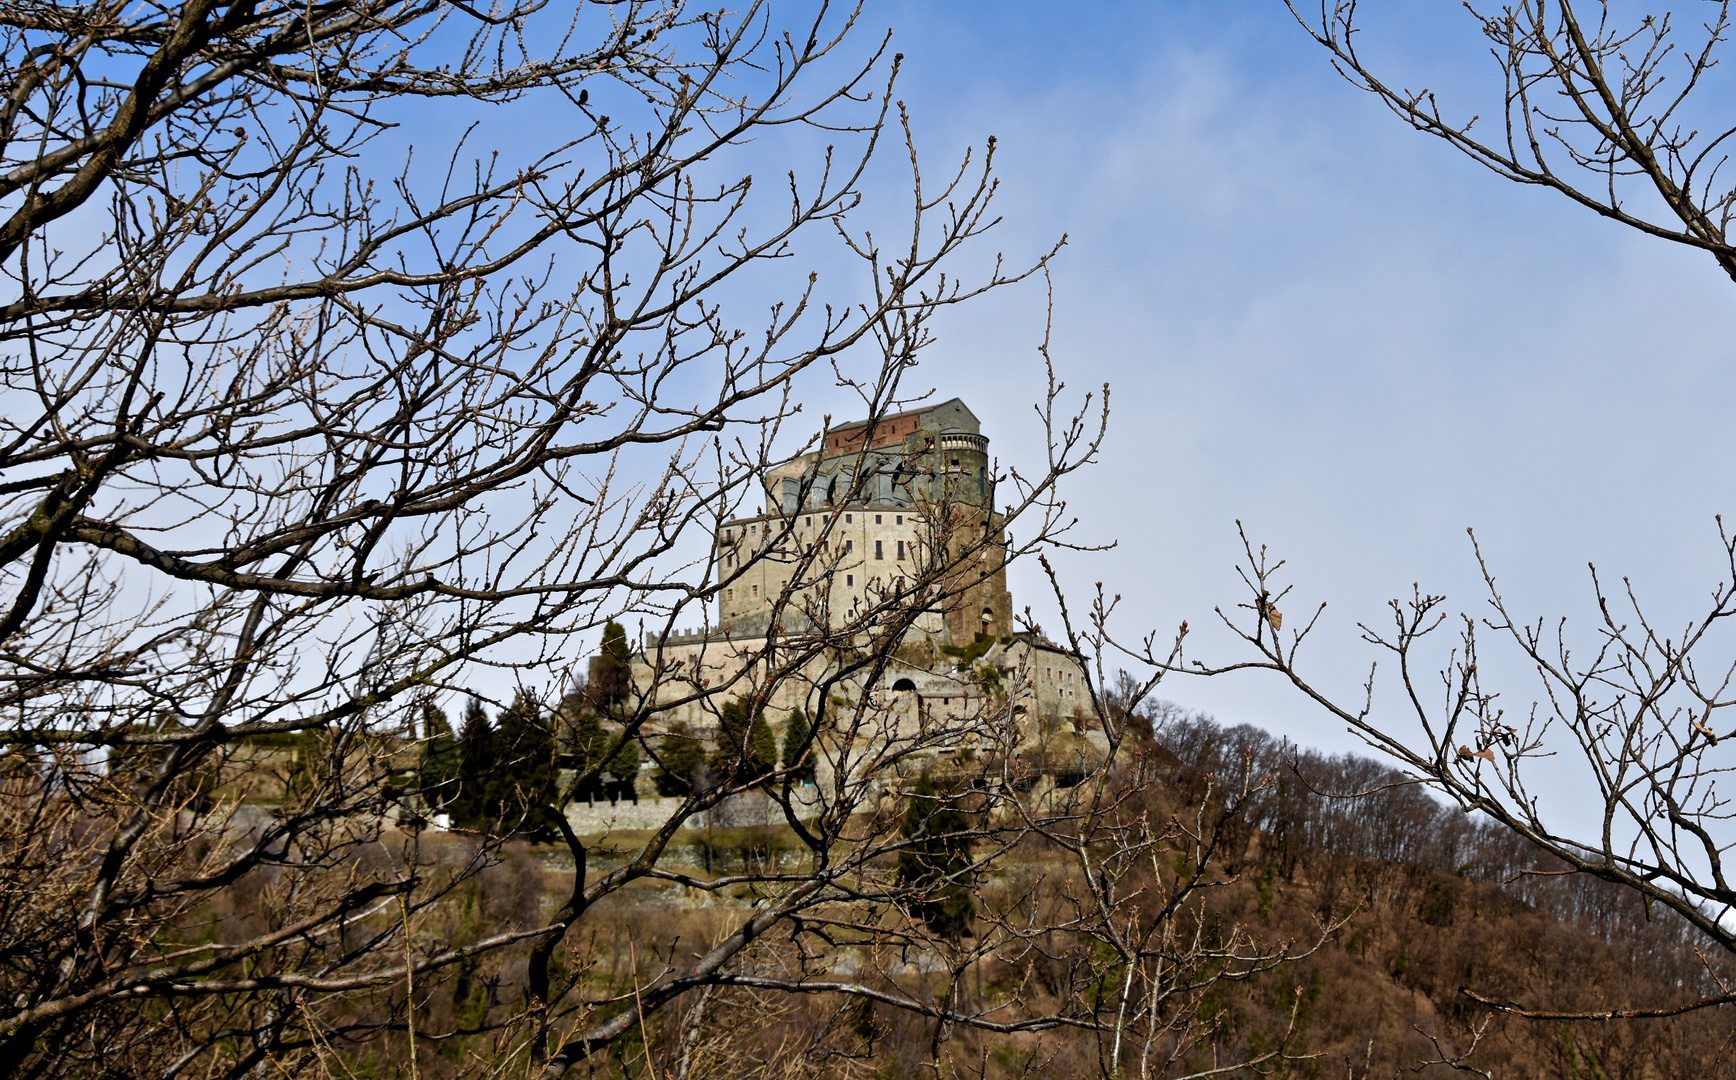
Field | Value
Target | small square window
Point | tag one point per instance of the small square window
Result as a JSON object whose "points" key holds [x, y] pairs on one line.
{"points": [[877, 520]]}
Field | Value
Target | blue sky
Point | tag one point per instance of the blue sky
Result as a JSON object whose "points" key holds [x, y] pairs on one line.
{"points": [[1322, 324]]}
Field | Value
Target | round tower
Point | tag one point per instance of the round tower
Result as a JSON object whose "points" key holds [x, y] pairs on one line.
{"points": [[964, 466]]}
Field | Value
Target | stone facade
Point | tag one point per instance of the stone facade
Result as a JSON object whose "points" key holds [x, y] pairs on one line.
{"points": [[872, 507]]}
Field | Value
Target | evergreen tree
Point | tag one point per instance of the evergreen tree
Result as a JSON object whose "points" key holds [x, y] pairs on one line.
{"points": [[680, 759], [612, 673], [476, 804], [527, 771], [795, 736], [439, 772], [762, 747], [936, 859], [589, 743], [624, 765], [745, 744]]}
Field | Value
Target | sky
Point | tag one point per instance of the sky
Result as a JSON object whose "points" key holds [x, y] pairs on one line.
{"points": [[1314, 321], [1322, 324]]}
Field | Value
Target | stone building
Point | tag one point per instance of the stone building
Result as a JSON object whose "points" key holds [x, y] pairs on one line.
{"points": [[849, 524], [876, 501]]}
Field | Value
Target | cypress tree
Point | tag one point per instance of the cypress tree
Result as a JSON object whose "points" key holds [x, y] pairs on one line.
{"points": [[589, 743], [623, 767], [475, 805], [733, 725], [743, 743], [935, 860], [679, 761], [612, 674], [762, 747], [795, 737], [527, 777], [439, 772]]}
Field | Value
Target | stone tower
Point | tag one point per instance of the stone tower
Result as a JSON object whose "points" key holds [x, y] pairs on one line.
{"points": [[882, 497]]}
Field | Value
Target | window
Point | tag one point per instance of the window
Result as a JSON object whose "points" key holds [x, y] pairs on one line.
{"points": [[849, 546], [901, 549], [728, 536], [849, 519], [879, 549], [810, 519], [899, 519], [752, 529], [849, 579], [877, 520], [756, 592], [731, 594]]}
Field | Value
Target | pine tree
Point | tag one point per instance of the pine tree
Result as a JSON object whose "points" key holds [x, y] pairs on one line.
{"points": [[733, 725], [527, 770], [762, 747], [680, 759], [589, 742], [439, 772], [743, 744], [624, 765], [612, 674], [476, 804], [795, 737], [936, 860]]}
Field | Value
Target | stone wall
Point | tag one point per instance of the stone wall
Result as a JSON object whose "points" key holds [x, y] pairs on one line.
{"points": [[751, 808]]}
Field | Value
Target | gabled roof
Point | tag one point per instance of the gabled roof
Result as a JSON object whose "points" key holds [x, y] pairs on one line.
{"points": [[952, 405]]}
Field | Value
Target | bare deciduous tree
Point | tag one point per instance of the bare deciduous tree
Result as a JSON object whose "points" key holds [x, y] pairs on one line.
{"points": [[331, 381], [1637, 718], [1618, 112], [1610, 112]]}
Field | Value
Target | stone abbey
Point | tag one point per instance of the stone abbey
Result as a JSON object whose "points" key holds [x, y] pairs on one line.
{"points": [[852, 526], [869, 504]]}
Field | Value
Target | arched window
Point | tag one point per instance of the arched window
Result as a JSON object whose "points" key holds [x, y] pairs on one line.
{"points": [[903, 684]]}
